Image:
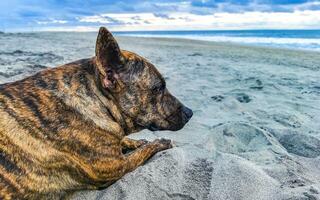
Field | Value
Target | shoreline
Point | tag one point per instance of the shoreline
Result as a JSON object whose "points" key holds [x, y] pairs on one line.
{"points": [[302, 43], [228, 43]]}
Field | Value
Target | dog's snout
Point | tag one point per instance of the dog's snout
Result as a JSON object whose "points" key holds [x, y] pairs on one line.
{"points": [[188, 112]]}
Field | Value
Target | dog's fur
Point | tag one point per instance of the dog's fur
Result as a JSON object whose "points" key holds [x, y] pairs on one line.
{"points": [[63, 129]]}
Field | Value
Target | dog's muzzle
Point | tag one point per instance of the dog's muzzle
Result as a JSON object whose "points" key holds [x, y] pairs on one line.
{"points": [[185, 114]]}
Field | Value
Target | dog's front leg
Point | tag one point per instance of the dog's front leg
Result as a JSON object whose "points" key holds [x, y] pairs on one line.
{"points": [[128, 143], [110, 170], [142, 154]]}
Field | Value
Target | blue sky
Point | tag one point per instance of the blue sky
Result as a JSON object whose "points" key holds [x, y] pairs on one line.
{"points": [[87, 15]]}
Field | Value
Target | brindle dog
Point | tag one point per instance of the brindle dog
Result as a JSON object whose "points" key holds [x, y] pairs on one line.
{"points": [[64, 129]]}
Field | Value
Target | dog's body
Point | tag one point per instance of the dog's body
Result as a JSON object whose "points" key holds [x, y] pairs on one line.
{"points": [[64, 128]]}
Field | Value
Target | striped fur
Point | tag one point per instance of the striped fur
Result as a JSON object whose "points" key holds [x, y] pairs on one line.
{"points": [[63, 129]]}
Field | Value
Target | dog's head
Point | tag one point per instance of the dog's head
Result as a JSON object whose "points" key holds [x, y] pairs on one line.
{"points": [[138, 88]]}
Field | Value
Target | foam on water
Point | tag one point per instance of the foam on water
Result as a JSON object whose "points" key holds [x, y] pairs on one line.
{"points": [[292, 43], [299, 39]]}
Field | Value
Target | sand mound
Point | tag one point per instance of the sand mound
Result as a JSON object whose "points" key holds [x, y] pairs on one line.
{"points": [[302, 145], [176, 174], [237, 138], [235, 161]]}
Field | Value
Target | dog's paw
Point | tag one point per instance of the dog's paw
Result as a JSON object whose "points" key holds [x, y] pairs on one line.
{"points": [[163, 144], [141, 143]]}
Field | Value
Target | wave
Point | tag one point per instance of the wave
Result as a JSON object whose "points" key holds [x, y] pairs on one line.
{"points": [[293, 43]]}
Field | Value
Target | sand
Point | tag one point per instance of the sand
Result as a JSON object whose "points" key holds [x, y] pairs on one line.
{"points": [[255, 133]]}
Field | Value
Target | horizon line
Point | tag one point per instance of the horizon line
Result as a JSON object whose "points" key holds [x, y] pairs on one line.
{"points": [[168, 30]]}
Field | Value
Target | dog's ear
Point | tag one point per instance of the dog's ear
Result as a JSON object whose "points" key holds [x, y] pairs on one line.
{"points": [[108, 58], [108, 54]]}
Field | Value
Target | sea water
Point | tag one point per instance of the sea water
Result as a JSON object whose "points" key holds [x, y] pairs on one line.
{"points": [[293, 39]]}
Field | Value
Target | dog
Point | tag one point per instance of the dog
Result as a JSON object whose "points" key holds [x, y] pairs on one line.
{"points": [[64, 129]]}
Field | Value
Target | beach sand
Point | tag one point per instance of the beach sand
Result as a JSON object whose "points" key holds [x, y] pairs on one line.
{"points": [[255, 133]]}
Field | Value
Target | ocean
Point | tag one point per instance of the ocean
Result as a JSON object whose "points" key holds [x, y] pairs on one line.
{"points": [[292, 39]]}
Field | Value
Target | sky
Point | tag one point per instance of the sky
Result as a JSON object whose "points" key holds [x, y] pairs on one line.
{"points": [[134, 15]]}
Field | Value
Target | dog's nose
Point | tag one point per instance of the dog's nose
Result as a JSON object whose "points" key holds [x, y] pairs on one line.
{"points": [[188, 112]]}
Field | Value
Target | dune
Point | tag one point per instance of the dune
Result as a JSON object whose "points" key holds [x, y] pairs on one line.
{"points": [[255, 133]]}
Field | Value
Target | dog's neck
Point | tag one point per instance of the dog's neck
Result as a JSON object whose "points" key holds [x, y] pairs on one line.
{"points": [[110, 103]]}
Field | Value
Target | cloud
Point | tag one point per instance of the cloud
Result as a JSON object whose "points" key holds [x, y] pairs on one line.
{"points": [[286, 2], [164, 16], [103, 19], [223, 20], [19, 15], [308, 6], [52, 21], [215, 3], [249, 5]]}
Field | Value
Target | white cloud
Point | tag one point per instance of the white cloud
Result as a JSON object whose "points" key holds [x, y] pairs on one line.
{"points": [[95, 19], [222, 20], [307, 6], [52, 21]]}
